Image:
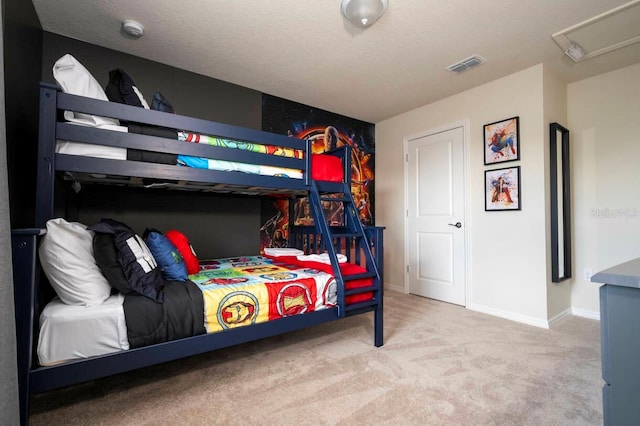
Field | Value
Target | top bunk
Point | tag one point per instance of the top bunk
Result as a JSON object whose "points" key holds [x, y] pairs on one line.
{"points": [[119, 144]]}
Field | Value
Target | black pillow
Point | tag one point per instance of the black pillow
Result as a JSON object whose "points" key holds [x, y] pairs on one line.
{"points": [[121, 89], [106, 254], [138, 265]]}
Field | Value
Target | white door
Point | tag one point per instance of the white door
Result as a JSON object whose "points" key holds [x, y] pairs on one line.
{"points": [[435, 216]]}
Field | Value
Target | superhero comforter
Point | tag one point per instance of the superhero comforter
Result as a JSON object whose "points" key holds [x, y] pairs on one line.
{"points": [[253, 289], [324, 167], [233, 166]]}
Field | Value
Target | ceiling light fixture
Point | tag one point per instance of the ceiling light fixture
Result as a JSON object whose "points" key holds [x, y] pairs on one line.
{"points": [[620, 19], [132, 28], [363, 13], [574, 51]]}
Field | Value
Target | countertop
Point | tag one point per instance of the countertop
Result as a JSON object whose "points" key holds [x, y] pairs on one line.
{"points": [[625, 274]]}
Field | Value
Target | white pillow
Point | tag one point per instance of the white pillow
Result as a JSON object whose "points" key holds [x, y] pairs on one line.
{"points": [[143, 101], [74, 78], [66, 256]]}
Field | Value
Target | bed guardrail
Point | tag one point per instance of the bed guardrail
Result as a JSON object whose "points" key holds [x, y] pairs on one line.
{"points": [[53, 103]]}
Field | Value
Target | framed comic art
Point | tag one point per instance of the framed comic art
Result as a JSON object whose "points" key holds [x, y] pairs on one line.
{"points": [[502, 189], [502, 141]]}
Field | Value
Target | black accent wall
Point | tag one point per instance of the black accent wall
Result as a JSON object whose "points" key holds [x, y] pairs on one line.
{"points": [[190, 94], [22, 71]]}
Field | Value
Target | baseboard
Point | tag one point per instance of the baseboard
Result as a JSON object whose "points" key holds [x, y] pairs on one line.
{"points": [[392, 287], [509, 315], [586, 314], [517, 317], [562, 315]]}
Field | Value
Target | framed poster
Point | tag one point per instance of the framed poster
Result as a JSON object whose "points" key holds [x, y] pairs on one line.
{"points": [[502, 189], [502, 141]]}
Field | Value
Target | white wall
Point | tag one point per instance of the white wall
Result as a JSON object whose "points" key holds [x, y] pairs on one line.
{"points": [[507, 250], [555, 110], [604, 119]]}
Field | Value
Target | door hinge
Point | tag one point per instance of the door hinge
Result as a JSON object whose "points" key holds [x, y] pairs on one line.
{"points": [[406, 157], [407, 269]]}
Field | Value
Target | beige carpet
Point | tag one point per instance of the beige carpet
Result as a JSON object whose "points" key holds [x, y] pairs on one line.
{"points": [[441, 365]]}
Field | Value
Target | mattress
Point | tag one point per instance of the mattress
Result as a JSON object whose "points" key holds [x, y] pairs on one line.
{"points": [[71, 332]]}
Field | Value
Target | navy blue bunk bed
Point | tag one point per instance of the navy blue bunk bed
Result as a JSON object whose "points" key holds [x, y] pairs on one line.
{"points": [[361, 245]]}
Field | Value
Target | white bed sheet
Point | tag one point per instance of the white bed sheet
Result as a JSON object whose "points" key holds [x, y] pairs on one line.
{"points": [[73, 332], [91, 150]]}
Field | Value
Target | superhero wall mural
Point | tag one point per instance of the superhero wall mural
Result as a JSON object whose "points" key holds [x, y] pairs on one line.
{"points": [[307, 123]]}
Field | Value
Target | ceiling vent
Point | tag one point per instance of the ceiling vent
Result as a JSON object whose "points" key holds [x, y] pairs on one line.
{"points": [[465, 64]]}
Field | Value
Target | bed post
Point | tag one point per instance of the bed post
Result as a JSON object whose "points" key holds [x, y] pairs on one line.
{"points": [[23, 247], [46, 154], [374, 234]]}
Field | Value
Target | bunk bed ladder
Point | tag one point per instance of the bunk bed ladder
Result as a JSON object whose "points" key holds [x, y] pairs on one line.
{"points": [[354, 233]]}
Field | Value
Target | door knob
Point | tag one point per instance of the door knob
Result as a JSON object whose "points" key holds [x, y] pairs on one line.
{"points": [[457, 224]]}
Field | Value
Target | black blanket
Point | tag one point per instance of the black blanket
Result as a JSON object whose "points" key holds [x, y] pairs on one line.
{"points": [[180, 315], [150, 156]]}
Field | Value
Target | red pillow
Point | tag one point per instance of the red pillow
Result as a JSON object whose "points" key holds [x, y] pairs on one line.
{"points": [[326, 167], [181, 242]]}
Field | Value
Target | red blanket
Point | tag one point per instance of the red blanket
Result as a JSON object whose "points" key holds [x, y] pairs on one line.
{"points": [[346, 269]]}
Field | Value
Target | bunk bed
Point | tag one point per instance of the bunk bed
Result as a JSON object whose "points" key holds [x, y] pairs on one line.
{"points": [[362, 246]]}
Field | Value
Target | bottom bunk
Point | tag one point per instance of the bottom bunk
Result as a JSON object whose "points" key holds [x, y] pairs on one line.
{"points": [[291, 291]]}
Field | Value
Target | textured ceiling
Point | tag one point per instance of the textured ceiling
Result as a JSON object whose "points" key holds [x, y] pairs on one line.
{"points": [[305, 51]]}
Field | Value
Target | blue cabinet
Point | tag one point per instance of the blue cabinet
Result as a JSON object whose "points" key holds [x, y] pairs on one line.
{"points": [[620, 342]]}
